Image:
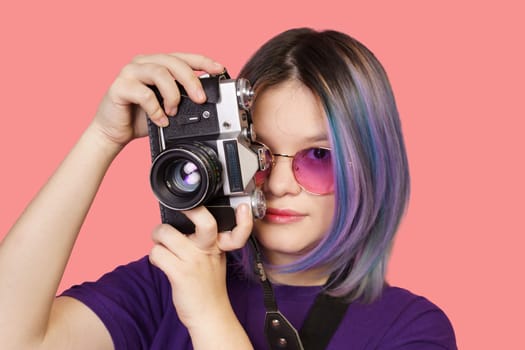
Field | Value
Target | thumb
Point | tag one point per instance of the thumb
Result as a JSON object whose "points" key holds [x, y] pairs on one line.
{"points": [[237, 237]]}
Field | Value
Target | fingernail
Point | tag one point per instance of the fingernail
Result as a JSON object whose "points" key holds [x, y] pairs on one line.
{"points": [[244, 209], [218, 66], [200, 94], [173, 111], [164, 122]]}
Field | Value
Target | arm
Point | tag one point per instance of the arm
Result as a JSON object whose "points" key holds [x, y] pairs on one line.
{"points": [[34, 253]]}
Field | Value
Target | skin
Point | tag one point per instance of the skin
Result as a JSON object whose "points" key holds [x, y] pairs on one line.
{"points": [[34, 253], [296, 220]]}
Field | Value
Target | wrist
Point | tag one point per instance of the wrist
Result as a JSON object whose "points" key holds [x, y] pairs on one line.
{"points": [[98, 138], [219, 329]]}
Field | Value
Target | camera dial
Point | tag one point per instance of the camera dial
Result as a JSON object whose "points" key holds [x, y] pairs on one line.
{"points": [[258, 203], [244, 93]]}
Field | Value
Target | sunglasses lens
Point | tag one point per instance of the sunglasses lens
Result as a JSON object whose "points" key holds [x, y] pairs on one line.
{"points": [[313, 170]]}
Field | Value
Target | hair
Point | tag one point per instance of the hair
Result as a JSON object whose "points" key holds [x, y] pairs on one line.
{"points": [[370, 164]]}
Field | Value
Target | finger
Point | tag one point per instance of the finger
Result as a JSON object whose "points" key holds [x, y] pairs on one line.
{"points": [[164, 259], [126, 91], [180, 70], [237, 238], [200, 62], [161, 77], [141, 124], [194, 61], [173, 240], [182, 66], [205, 236]]}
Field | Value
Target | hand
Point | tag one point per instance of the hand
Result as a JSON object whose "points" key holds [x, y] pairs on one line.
{"points": [[121, 116], [196, 266]]}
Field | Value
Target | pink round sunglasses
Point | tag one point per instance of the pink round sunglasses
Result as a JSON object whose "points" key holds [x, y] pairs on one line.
{"points": [[312, 168]]}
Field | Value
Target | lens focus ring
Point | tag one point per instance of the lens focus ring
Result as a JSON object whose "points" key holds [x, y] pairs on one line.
{"points": [[185, 176]]}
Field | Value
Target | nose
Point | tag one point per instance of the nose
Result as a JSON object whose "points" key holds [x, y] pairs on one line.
{"points": [[281, 180]]}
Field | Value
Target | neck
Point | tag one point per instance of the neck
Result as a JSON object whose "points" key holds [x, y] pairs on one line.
{"points": [[314, 277], [311, 277]]}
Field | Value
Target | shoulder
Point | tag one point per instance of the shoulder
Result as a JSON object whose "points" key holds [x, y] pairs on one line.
{"points": [[134, 283], [400, 319], [131, 301], [418, 323], [132, 276]]}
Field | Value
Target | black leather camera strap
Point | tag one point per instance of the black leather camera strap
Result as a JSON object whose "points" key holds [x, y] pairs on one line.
{"points": [[320, 324], [322, 321]]}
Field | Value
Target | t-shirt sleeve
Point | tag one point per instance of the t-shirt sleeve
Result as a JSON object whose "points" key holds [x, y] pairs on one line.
{"points": [[421, 325], [130, 301]]}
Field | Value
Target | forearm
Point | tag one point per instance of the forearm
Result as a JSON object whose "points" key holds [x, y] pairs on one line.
{"points": [[222, 331], [34, 253]]}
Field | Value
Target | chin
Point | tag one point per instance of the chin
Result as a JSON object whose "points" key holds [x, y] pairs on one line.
{"points": [[285, 243]]}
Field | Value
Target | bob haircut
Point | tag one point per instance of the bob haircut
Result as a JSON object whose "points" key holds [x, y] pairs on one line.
{"points": [[370, 164]]}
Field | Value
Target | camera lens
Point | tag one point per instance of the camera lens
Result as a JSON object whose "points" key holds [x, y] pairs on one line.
{"points": [[186, 175], [183, 177]]}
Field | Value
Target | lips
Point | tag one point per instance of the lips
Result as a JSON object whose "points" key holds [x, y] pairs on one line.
{"points": [[282, 216]]}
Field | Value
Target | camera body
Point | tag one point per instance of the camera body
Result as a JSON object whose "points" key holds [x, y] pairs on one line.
{"points": [[206, 156]]}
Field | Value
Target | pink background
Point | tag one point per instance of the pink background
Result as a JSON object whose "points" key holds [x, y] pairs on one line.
{"points": [[457, 72]]}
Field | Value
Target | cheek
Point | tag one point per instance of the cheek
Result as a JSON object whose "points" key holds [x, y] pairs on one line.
{"points": [[325, 209]]}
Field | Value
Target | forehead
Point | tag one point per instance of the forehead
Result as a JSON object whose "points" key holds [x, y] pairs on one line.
{"points": [[289, 110]]}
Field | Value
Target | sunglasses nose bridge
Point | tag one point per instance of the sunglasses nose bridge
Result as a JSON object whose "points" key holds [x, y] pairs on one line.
{"points": [[279, 155], [282, 178], [291, 159]]}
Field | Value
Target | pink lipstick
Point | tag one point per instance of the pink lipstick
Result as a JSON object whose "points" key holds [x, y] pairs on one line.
{"points": [[282, 216]]}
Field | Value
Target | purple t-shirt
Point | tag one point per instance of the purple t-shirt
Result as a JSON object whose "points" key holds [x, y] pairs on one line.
{"points": [[134, 302]]}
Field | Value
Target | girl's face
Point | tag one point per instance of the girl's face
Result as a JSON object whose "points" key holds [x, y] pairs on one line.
{"points": [[289, 118]]}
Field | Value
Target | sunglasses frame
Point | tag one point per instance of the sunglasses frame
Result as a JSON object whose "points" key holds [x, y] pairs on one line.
{"points": [[265, 165]]}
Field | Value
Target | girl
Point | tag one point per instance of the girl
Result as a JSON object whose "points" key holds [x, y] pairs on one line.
{"points": [[336, 191]]}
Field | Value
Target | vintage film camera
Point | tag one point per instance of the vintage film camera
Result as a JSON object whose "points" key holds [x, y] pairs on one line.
{"points": [[206, 156]]}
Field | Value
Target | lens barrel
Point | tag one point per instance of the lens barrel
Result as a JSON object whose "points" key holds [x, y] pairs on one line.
{"points": [[186, 175]]}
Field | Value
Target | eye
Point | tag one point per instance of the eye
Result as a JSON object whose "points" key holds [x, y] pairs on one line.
{"points": [[318, 153], [315, 158]]}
